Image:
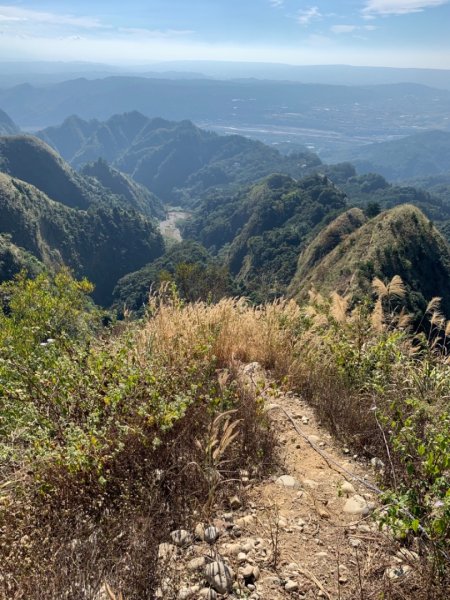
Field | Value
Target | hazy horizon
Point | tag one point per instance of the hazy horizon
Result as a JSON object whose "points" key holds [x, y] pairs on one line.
{"points": [[378, 33]]}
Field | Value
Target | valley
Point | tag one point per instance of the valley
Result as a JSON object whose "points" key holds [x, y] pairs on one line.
{"points": [[224, 333], [170, 226]]}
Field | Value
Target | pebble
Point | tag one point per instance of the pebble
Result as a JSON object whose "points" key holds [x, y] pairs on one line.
{"points": [[219, 576], [235, 503], [397, 572], [291, 586], [211, 534], [181, 538], [196, 563], [288, 481], [347, 488], [166, 551], [356, 505], [186, 593], [208, 594]]}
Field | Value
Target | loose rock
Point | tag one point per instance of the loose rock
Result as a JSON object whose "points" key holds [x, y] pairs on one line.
{"points": [[181, 538], [219, 576], [288, 481]]}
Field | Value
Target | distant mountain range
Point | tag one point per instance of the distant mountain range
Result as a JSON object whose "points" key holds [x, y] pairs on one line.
{"points": [[177, 161], [329, 117], [423, 154]]}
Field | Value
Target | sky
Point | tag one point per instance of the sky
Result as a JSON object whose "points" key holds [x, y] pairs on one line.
{"points": [[397, 33]]}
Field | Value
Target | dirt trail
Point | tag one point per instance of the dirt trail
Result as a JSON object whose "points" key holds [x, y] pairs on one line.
{"points": [[307, 532]]}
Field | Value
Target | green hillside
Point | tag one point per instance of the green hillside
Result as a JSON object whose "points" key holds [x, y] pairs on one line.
{"points": [[13, 260], [400, 241], [135, 195], [264, 228], [196, 273], [176, 160], [29, 159], [103, 243]]}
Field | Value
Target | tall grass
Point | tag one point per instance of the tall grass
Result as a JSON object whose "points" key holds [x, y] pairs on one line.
{"points": [[111, 440]]}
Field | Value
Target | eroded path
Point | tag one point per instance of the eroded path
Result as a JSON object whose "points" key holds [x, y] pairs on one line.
{"points": [[307, 532]]}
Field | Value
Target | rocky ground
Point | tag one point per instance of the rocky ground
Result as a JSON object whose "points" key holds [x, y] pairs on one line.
{"points": [[307, 532]]}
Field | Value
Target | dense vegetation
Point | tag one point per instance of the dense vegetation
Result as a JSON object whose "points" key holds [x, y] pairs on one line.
{"points": [[29, 159], [196, 274], [106, 435], [103, 243], [350, 252], [135, 195], [261, 230], [176, 161]]}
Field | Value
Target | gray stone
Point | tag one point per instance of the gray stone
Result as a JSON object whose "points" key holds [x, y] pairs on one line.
{"points": [[208, 594], [166, 551], [199, 532], [211, 534], [219, 576], [196, 563], [181, 538], [186, 593], [288, 481], [347, 488]]}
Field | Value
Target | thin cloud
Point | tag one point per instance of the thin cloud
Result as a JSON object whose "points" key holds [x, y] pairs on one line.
{"points": [[24, 15], [343, 28], [276, 3], [156, 33], [399, 7], [304, 17]]}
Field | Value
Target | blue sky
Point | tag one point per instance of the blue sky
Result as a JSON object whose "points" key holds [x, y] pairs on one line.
{"points": [[404, 33]]}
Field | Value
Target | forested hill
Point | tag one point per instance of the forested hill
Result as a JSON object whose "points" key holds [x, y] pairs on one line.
{"points": [[175, 160], [264, 227], [103, 243], [136, 195], [7, 125], [348, 254], [30, 159]]}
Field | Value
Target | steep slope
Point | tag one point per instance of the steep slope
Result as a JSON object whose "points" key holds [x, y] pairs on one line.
{"points": [[103, 243], [14, 259], [29, 159], [176, 160], [265, 226], [135, 195], [197, 274], [419, 155], [327, 240], [7, 125], [400, 241]]}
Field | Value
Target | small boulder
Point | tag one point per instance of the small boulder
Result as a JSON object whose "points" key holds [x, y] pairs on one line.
{"points": [[356, 505], [181, 538], [235, 503], [219, 576], [211, 534]]}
